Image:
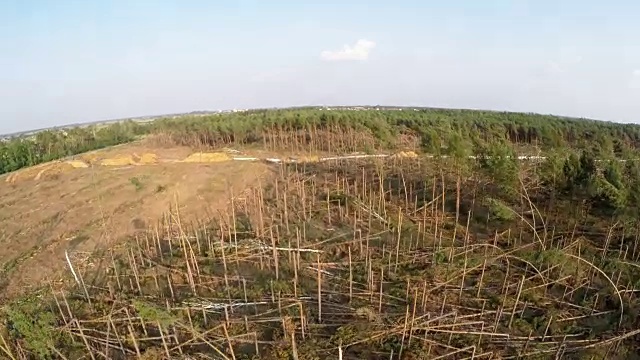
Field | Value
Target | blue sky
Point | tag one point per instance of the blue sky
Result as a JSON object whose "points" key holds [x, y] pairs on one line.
{"points": [[74, 61]]}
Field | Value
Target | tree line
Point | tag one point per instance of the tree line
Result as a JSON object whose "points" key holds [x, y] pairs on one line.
{"points": [[434, 131], [56, 144]]}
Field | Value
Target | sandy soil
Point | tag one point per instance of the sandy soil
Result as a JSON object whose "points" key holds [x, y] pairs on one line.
{"points": [[81, 209]]}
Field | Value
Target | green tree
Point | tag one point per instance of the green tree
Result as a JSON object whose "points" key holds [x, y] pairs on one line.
{"points": [[500, 162]]}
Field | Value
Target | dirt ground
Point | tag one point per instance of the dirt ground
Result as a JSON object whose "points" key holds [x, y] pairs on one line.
{"points": [[81, 208]]}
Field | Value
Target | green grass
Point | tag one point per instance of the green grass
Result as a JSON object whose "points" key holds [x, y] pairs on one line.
{"points": [[137, 183]]}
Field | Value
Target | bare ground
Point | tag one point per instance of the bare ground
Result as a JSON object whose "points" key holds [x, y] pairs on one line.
{"points": [[85, 209]]}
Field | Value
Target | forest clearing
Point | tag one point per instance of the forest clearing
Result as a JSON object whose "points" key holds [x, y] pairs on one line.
{"points": [[448, 247]]}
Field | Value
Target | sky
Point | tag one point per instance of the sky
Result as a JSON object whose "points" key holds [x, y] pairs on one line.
{"points": [[69, 61]]}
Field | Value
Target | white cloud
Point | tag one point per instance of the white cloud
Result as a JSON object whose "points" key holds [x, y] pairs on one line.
{"points": [[636, 72], [359, 51]]}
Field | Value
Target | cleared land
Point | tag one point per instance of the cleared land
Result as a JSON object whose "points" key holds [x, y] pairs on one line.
{"points": [[364, 259], [57, 206], [475, 255]]}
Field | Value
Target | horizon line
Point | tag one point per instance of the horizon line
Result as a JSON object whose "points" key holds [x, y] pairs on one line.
{"points": [[151, 118]]}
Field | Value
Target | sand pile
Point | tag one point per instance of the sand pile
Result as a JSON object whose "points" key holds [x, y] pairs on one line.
{"points": [[10, 178], [207, 157], [40, 173], [52, 170], [27, 173], [78, 164], [89, 158], [308, 158], [148, 158], [406, 154], [119, 161]]}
